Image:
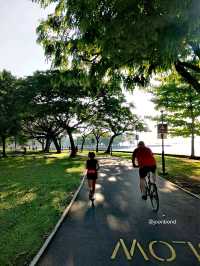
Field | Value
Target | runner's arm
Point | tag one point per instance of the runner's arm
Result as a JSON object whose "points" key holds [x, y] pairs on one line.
{"points": [[97, 166]]}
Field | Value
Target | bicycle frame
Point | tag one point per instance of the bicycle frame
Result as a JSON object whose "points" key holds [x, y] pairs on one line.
{"points": [[148, 182], [151, 192]]}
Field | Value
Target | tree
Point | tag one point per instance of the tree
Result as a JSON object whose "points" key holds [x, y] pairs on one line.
{"points": [[59, 101], [117, 117], [99, 131], [181, 103], [140, 36], [85, 132], [9, 107], [41, 103]]}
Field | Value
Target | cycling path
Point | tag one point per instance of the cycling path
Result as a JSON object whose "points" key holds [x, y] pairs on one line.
{"points": [[121, 220]]}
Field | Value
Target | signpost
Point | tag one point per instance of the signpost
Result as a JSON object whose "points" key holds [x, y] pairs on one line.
{"points": [[162, 134]]}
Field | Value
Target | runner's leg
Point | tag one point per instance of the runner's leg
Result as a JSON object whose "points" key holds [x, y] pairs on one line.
{"points": [[92, 191], [93, 185], [90, 184]]}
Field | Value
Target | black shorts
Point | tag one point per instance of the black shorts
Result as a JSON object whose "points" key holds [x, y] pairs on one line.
{"points": [[92, 177], [143, 171]]}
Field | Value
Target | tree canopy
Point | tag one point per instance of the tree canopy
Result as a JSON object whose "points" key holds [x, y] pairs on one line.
{"points": [[140, 36], [56, 102], [181, 105], [9, 107]]}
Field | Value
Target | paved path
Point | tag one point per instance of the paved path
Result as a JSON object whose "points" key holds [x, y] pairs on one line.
{"points": [[90, 236]]}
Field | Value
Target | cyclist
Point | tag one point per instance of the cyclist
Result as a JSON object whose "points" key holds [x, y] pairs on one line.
{"points": [[146, 163], [92, 167]]}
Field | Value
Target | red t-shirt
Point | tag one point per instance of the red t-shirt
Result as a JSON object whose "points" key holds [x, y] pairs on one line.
{"points": [[144, 156]]}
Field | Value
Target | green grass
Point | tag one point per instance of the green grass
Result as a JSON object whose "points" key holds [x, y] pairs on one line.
{"points": [[34, 191], [182, 171]]}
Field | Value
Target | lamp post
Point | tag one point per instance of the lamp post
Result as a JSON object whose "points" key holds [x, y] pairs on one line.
{"points": [[162, 137]]}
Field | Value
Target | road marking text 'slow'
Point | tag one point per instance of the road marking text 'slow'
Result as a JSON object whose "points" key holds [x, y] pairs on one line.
{"points": [[153, 250]]}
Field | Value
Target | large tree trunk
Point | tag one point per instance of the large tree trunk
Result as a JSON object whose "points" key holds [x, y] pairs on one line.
{"points": [[97, 143], [47, 144], [60, 142], [58, 147], [83, 142], [110, 144], [73, 147], [42, 142], [4, 145]]}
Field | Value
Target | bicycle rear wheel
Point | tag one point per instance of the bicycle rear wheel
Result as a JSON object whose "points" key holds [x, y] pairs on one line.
{"points": [[154, 197]]}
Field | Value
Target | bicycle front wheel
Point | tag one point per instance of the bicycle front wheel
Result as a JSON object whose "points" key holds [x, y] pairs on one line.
{"points": [[154, 197]]}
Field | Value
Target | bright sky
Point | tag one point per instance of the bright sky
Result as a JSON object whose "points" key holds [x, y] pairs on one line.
{"points": [[21, 55], [19, 51]]}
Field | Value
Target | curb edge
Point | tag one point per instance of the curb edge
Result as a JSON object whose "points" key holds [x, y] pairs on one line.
{"points": [[57, 226], [185, 190]]}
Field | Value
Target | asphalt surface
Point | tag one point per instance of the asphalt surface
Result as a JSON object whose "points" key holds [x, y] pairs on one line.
{"points": [[91, 236]]}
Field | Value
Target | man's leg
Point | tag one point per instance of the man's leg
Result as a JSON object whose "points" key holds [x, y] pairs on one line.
{"points": [[154, 177], [143, 173], [153, 171], [142, 186]]}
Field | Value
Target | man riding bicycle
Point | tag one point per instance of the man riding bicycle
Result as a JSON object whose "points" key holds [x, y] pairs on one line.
{"points": [[146, 163]]}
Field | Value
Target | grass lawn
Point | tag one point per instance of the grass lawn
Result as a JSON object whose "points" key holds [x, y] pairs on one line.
{"points": [[34, 191], [182, 171]]}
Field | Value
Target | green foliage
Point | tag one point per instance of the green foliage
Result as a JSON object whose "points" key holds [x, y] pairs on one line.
{"points": [[181, 103], [117, 115], [140, 36], [55, 101], [9, 106]]}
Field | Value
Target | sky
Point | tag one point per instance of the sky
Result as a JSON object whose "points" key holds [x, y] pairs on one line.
{"points": [[19, 51], [20, 54]]}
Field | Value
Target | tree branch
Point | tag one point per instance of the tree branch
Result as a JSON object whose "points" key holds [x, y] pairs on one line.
{"points": [[180, 68]]}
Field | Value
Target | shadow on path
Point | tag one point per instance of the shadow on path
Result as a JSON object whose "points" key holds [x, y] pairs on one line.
{"points": [[89, 234]]}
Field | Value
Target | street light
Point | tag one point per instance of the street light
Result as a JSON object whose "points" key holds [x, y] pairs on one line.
{"points": [[163, 131]]}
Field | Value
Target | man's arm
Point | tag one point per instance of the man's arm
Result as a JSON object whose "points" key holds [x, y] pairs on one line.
{"points": [[133, 158]]}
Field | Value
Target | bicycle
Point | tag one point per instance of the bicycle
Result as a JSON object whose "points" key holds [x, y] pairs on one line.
{"points": [[152, 192]]}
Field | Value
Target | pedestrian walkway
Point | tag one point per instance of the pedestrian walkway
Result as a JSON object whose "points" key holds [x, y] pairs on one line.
{"points": [[104, 235]]}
